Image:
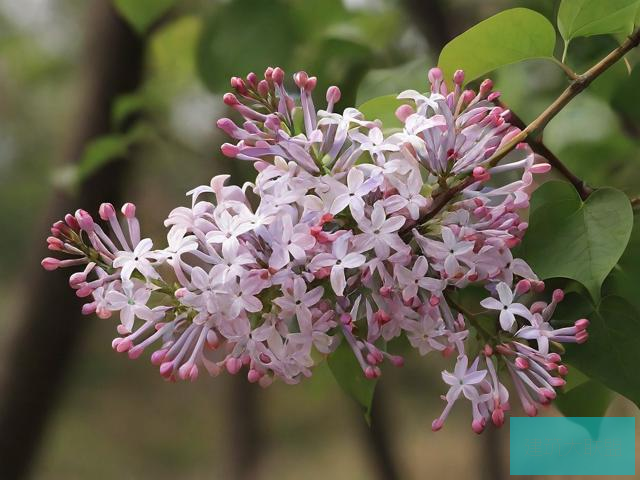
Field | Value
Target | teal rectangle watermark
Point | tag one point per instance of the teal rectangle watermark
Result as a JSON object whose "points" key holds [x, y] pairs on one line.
{"points": [[572, 446]]}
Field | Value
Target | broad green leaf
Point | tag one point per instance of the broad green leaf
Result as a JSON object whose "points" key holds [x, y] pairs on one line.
{"points": [[568, 238], [244, 36], [508, 37], [350, 377], [584, 18], [623, 280], [589, 399], [610, 356], [385, 81], [383, 108], [141, 14]]}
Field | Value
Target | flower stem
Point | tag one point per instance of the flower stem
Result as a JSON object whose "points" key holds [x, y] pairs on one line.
{"points": [[575, 87]]}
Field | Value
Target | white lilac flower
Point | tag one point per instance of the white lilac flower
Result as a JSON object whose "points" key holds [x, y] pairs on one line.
{"points": [[338, 260], [507, 307], [380, 233], [341, 238]]}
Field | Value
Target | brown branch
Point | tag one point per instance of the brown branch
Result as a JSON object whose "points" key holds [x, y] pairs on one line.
{"points": [[540, 148], [51, 325], [574, 88]]}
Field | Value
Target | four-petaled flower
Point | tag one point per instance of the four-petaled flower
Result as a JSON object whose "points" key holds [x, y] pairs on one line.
{"points": [[508, 309]]}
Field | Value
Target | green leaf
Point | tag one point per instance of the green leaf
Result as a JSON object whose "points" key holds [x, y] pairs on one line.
{"points": [[610, 355], [568, 238], [508, 37], [125, 106], [106, 148], [584, 18], [141, 14], [589, 399], [626, 97], [350, 377], [623, 280], [383, 108], [385, 81], [244, 36]]}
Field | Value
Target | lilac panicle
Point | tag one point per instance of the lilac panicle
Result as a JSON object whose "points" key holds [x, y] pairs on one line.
{"points": [[338, 239]]}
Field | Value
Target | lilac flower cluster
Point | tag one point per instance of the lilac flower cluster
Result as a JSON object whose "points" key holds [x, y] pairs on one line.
{"points": [[341, 238]]}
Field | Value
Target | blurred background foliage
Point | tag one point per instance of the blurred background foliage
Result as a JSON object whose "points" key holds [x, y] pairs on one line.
{"points": [[117, 418]]}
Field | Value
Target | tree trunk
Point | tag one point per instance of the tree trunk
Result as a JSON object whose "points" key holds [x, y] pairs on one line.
{"points": [[51, 326]]}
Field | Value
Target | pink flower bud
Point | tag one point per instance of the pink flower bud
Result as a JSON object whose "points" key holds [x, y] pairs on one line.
{"points": [[71, 222], [166, 369], [253, 376], [278, 76], [89, 308], [434, 75], [50, 263], [486, 86], [522, 363], [229, 150], [212, 340], [84, 220], [135, 352], [233, 365], [558, 295], [55, 244], [311, 84], [263, 88], [477, 425], [523, 286], [458, 77], [437, 424], [581, 324], [157, 357], [396, 360], [497, 416], [403, 112], [301, 79], [188, 371], [230, 99], [333, 94], [106, 211], [540, 168], [129, 210]]}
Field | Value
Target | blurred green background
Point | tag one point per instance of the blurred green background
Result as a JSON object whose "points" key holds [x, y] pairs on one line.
{"points": [[92, 108]]}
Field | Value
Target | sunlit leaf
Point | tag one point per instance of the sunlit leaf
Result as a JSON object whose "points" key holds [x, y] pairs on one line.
{"points": [[610, 356], [508, 37], [383, 108], [350, 377], [584, 18], [568, 238], [386, 81], [141, 14]]}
